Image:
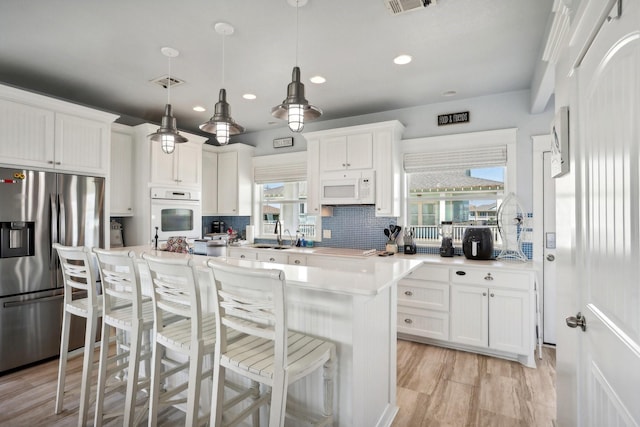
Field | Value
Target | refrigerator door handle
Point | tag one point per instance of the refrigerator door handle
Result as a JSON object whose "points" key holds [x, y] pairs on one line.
{"points": [[32, 301], [62, 232], [53, 228]]}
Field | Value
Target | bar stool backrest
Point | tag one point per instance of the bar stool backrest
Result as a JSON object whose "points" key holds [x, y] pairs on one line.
{"points": [[78, 273], [175, 291], [251, 301], [120, 280]]}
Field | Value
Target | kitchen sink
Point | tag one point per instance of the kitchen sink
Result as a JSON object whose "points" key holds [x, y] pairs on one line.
{"points": [[260, 246]]}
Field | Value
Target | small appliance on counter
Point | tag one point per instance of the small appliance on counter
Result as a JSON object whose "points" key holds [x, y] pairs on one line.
{"points": [[211, 245], [477, 243], [218, 226], [446, 247], [409, 246]]}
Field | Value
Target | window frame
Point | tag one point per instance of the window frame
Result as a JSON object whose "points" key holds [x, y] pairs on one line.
{"points": [[506, 138], [274, 163]]}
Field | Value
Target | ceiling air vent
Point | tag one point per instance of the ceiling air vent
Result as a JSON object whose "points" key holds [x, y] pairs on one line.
{"points": [[164, 81], [400, 6]]}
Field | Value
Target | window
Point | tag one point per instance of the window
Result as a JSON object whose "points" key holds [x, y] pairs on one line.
{"points": [[287, 202], [464, 184], [281, 194]]}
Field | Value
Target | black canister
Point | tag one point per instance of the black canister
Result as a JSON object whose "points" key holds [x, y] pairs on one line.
{"points": [[477, 243]]}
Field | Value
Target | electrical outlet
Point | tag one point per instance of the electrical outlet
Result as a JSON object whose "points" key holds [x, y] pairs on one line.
{"points": [[326, 234]]}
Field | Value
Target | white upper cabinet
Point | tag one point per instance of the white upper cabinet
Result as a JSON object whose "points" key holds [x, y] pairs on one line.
{"points": [[46, 133], [228, 186], [122, 163], [182, 168], [82, 145], [209, 181], [374, 147], [338, 153]]}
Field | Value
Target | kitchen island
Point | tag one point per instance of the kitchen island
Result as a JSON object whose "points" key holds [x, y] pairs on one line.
{"points": [[353, 306]]}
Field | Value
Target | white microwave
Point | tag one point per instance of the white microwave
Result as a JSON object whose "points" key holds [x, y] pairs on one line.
{"points": [[348, 188]]}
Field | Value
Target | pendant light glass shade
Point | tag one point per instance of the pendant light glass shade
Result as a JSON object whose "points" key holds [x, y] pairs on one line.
{"points": [[167, 135], [221, 124], [295, 108]]}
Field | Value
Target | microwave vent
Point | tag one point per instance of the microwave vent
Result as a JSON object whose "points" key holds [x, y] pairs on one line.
{"points": [[400, 6]]}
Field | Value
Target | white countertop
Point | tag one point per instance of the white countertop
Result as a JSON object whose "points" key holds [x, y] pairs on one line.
{"points": [[370, 276]]}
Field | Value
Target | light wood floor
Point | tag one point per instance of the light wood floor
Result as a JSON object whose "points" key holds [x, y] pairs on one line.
{"points": [[441, 387], [436, 387]]}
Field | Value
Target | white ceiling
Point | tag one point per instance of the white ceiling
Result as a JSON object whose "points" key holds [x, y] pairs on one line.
{"points": [[104, 53]]}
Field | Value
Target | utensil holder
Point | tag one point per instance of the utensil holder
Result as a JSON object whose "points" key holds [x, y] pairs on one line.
{"points": [[392, 247]]}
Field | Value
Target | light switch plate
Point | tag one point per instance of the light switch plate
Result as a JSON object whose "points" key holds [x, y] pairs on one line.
{"points": [[326, 234]]}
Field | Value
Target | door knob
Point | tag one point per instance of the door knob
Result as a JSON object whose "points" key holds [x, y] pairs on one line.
{"points": [[551, 257], [578, 320]]}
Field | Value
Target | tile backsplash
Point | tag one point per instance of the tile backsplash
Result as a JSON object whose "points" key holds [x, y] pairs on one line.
{"points": [[354, 227]]}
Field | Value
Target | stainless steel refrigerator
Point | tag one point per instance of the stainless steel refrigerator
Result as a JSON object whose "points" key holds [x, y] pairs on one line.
{"points": [[37, 209]]}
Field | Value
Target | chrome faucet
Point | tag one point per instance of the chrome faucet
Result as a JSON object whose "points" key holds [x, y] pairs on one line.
{"points": [[291, 243], [278, 232]]}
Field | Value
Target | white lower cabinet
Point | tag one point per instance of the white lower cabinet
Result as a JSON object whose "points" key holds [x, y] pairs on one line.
{"points": [[266, 255], [487, 310], [423, 303]]}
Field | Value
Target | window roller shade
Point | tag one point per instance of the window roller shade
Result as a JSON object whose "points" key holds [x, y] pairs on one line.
{"points": [[289, 172], [456, 159]]}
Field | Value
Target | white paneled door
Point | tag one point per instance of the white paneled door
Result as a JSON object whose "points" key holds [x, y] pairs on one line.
{"points": [[608, 222]]}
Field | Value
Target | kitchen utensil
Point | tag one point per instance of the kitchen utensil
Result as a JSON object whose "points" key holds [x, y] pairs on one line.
{"points": [[396, 232], [387, 233]]}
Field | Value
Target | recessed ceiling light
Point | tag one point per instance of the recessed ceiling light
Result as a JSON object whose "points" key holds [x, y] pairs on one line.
{"points": [[199, 109], [318, 79], [449, 93], [249, 96], [402, 59]]}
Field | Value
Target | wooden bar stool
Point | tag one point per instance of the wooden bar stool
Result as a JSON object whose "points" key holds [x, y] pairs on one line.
{"points": [[80, 299], [130, 315], [253, 301], [176, 294]]}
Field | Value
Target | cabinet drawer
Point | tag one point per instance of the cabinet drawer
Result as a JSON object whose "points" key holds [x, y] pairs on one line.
{"points": [[297, 260], [421, 294], [240, 253], [490, 277], [430, 272], [424, 323], [272, 256]]}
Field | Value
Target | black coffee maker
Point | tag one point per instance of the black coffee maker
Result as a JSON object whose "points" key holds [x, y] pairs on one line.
{"points": [[446, 247]]}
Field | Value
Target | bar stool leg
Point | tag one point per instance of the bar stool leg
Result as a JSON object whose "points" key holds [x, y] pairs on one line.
{"points": [[85, 385], [62, 364], [102, 374]]}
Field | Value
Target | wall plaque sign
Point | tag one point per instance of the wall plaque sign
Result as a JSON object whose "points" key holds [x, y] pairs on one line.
{"points": [[283, 142], [453, 118]]}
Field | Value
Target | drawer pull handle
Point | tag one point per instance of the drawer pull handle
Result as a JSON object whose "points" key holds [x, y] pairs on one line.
{"points": [[296, 261], [488, 277], [272, 259], [484, 294], [408, 293], [492, 295], [461, 273], [243, 256], [408, 321]]}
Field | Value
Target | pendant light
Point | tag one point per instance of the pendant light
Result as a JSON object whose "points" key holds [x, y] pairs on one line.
{"points": [[221, 124], [295, 108], [167, 135]]}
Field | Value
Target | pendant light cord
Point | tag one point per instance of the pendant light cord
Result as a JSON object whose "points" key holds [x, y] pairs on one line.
{"points": [[169, 83], [224, 36], [297, 30]]}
